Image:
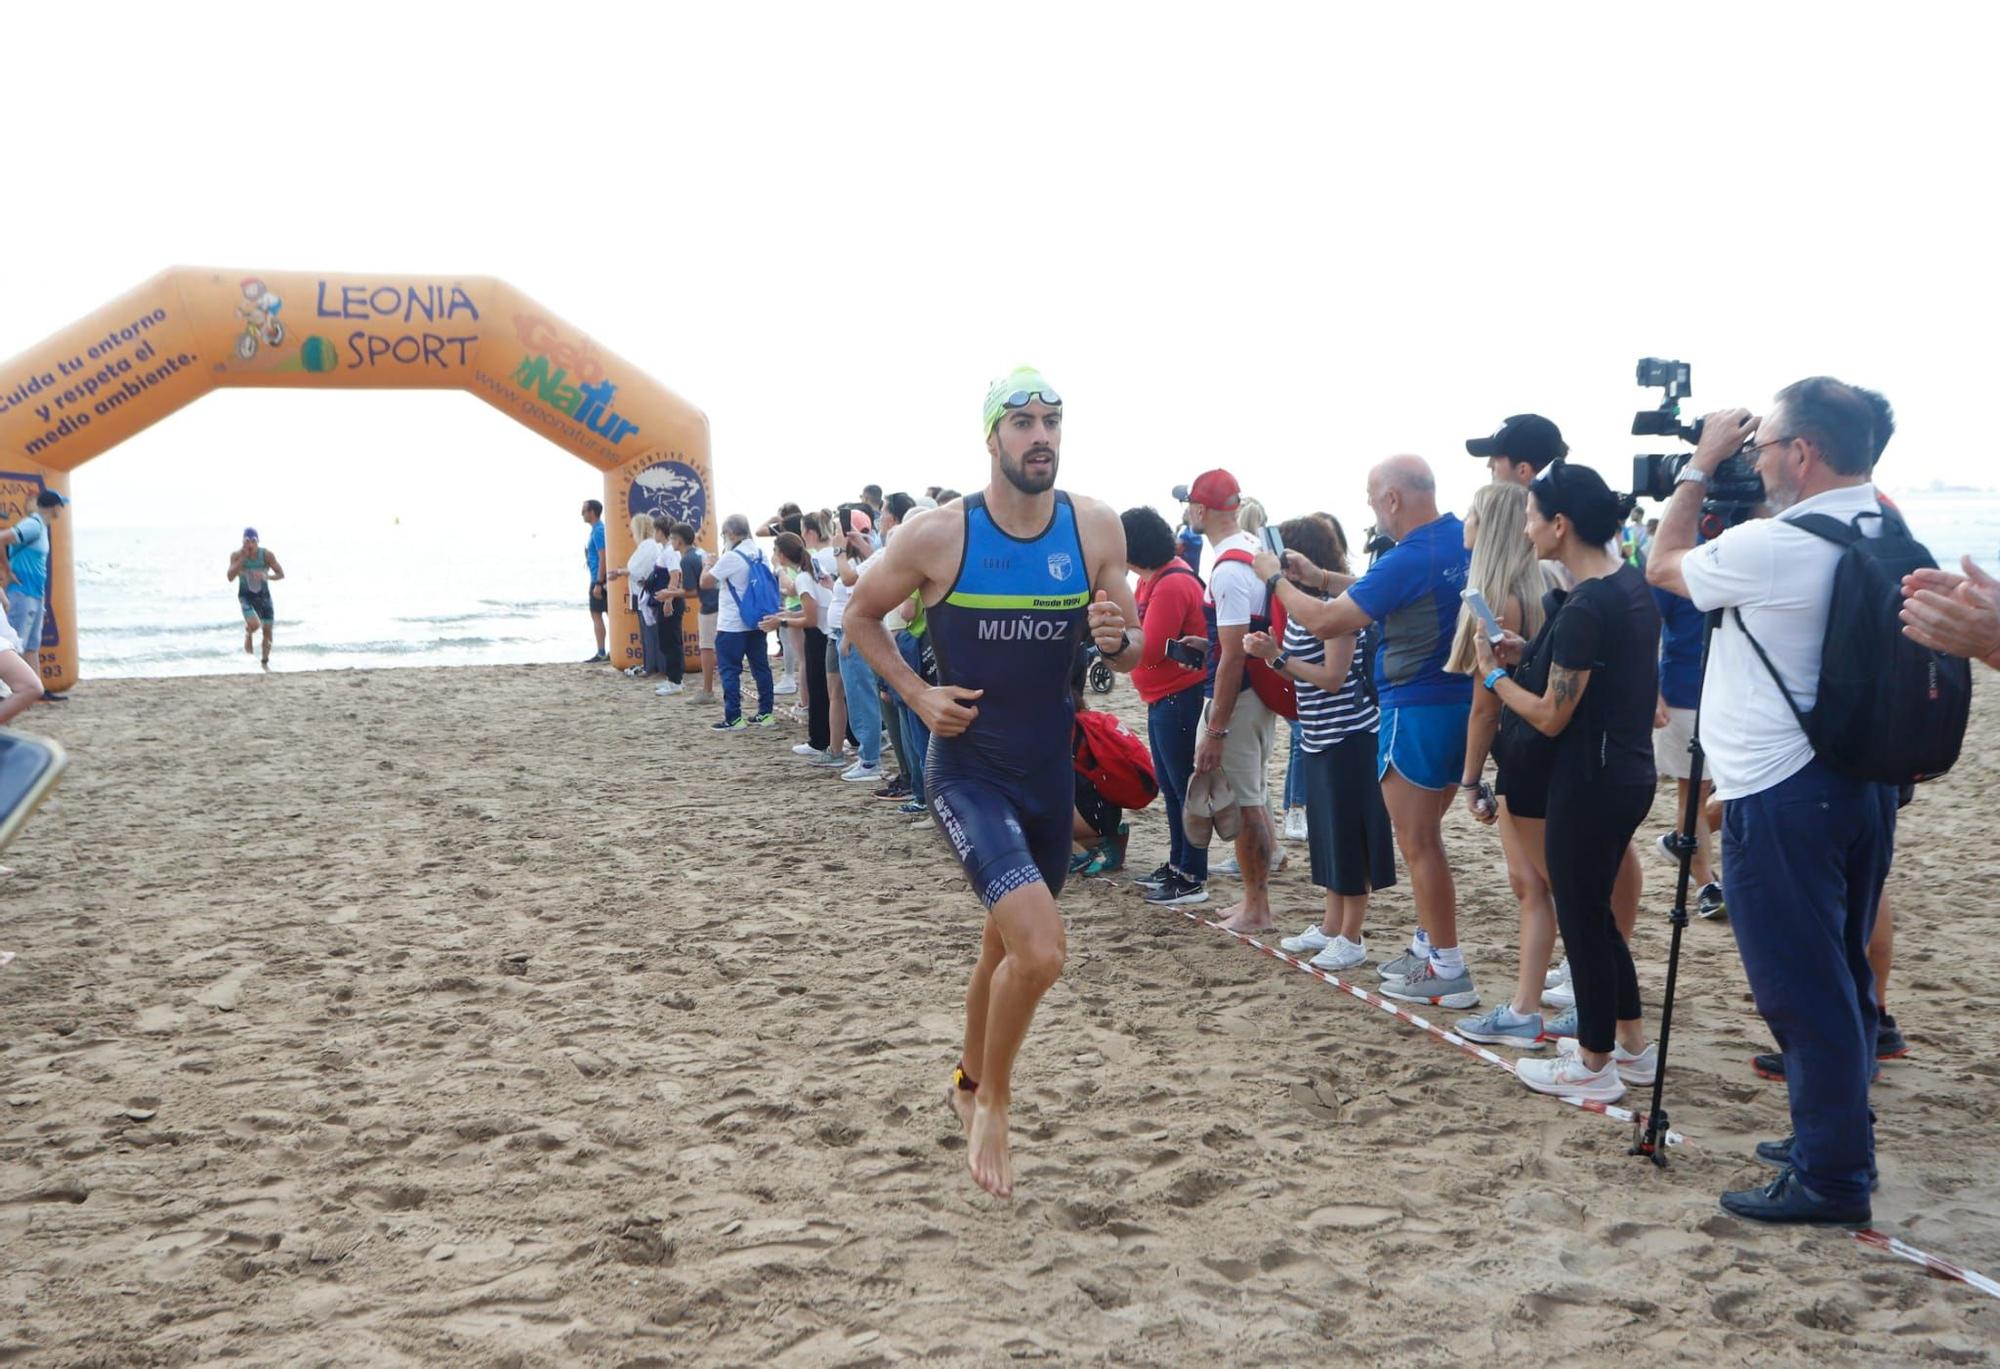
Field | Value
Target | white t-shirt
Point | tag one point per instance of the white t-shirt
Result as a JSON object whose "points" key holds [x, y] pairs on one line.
{"points": [[1235, 588], [838, 594], [732, 571], [640, 564], [1781, 578], [827, 577]]}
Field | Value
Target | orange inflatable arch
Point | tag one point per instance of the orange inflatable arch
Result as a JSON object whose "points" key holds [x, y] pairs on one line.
{"points": [[191, 330]]}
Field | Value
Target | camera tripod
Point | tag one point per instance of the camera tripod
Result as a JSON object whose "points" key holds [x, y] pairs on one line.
{"points": [[1648, 1136]]}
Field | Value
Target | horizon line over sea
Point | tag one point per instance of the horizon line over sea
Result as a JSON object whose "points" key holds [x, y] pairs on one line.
{"points": [[156, 601]]}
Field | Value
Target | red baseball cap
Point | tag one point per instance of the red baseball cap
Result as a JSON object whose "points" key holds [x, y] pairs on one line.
{"points": [[1216, 490]]}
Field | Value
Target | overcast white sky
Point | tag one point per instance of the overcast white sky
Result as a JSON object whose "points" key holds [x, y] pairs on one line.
{"points": [[1287, 240]]}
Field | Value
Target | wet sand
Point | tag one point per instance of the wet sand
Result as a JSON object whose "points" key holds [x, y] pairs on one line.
{"points": [[503, 1015]]}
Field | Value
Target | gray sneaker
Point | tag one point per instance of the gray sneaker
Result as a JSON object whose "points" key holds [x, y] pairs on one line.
{"points": [[1427, 987], [1403, 966], [1562, 1026], [1504, 1027]]}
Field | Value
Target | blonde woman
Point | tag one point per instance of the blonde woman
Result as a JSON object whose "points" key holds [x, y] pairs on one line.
{"points": [[1504, 569], [644, 559]]}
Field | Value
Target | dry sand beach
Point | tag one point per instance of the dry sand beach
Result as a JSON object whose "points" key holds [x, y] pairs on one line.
{"points": [[502, 1015]]}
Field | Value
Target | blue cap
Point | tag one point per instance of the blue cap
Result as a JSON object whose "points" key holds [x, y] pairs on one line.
{"points": [[250, 534], [48, 498]]}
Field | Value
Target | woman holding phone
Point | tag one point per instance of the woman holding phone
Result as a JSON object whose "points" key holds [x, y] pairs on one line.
{"points": [[1597, 704], [1506, 574], [1348, 838]]}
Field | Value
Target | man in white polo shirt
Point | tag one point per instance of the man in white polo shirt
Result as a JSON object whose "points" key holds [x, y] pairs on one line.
{"points": [[1805, 849]]}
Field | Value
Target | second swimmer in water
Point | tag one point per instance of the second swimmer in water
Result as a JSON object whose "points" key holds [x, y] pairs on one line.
{"points": [[1008, 578]]}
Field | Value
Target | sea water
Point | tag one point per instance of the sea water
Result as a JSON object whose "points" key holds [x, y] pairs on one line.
{"points": [[155, 601]]}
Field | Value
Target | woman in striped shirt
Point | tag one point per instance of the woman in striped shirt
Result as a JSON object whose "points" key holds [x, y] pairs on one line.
{"points": [[1347, 828]]}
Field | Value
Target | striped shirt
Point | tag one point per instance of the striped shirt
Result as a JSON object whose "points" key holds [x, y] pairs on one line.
{"points": [[1324, 717]]}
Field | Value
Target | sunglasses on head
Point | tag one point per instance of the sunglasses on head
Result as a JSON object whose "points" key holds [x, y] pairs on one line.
{"points": [[1020, 397]]}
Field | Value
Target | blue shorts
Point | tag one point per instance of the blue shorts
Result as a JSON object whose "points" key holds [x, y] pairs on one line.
{"points": [[1425, 743], [1007, 833]]}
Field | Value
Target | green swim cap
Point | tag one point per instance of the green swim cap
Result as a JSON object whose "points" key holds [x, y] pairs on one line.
{"points": [[1022, 381]]}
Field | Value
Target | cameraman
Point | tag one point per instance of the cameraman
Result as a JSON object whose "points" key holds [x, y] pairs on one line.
{"points": [[1805, 849]]}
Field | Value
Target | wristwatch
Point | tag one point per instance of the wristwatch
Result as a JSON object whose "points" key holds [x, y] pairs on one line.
{"points": [[1692, 475], [1493, 676], [1124, 645], [1280, 661]]}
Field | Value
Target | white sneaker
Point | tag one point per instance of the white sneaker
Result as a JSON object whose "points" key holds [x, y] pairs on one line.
{"points": [[786, 686], [1559, 975], [802, 749], [1561, 996], [1640, 1069], [858, 773], [668, 688], [1226, 867], [633, 672], [1567, 1076], [1311, 941], [1340, 954], [1295, 824]]}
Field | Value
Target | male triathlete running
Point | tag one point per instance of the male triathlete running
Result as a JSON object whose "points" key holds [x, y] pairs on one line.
{"points": [[252, 567], [1007, 577]]}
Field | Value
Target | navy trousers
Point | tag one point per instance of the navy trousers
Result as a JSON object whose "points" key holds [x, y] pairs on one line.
{"points": [[1171, 725], [1803, 864], [732, 651]]}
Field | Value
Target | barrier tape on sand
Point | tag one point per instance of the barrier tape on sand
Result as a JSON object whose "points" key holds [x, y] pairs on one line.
{"points": [[1476, 1051], [1944, 1269]]}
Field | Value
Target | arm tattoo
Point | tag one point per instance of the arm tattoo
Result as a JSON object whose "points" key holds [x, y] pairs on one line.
{"points": [[1562, 686]]}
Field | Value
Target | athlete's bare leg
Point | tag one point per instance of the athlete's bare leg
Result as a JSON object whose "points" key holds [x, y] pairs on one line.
{"points": [[1252, 913], [1417, 816], [250, 635], [978, 998], [999, 1005], [267, 645]]}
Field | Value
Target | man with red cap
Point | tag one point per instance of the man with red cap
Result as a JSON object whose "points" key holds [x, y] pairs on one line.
{"points": [[1237, 730]]}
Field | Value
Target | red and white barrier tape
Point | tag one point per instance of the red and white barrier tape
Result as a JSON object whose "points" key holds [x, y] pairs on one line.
{"points": [[1477, 1052], [1943, 1269]]}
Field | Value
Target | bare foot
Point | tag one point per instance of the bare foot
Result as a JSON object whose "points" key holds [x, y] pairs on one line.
{"points": [[986, 1149], [962, 1104], [1238, 918], [249, 644]]}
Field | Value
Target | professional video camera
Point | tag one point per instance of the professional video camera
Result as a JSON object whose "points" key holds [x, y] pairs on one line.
{"points": [[1733, 493]]}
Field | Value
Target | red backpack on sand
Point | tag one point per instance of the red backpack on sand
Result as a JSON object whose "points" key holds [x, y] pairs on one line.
{"points": [[1116, 763], [1273, 690]]}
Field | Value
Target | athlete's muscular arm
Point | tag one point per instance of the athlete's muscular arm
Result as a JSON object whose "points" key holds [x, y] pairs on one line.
{"points": [[272, 570], [235, 564], [922, 555], [1113, 610]]}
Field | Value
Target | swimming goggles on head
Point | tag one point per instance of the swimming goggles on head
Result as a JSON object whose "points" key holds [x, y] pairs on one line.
{"points": [[1020, 397]]}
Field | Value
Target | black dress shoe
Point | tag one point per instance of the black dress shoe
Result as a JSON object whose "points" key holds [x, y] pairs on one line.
{"points": [[1788, 1200], [1778, 1154], [1771, 1064]]}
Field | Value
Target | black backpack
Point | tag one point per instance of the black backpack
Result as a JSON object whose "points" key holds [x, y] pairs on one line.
{"points": [[1888, 710]]}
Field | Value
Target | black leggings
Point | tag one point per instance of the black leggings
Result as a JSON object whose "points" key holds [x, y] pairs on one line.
{"points": [[814, 678], [1589, 826], [668, 630]]}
